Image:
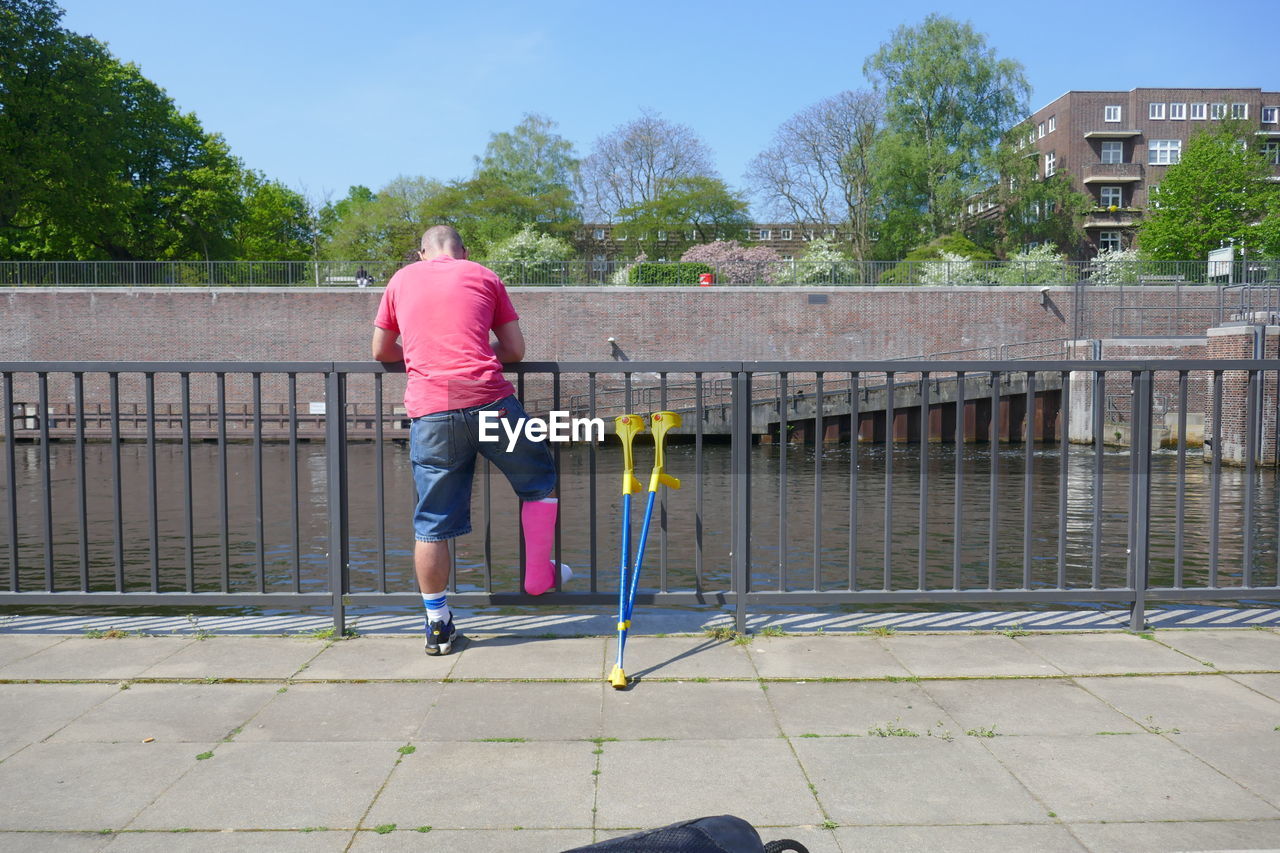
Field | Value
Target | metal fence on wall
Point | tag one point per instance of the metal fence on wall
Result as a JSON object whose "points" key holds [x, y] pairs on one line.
{"points": [[987, 504]]}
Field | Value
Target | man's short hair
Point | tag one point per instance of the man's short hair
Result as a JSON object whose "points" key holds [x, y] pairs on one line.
{"points": [[440, 239]]}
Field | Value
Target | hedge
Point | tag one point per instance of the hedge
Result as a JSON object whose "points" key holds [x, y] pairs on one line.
{"points": [[650, 273]]}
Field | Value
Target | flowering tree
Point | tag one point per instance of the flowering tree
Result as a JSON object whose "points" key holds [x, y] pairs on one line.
{"points": [[1040, 265], [735, 263], [1118, 266], [953, 269], [824, 261], [530, 257]]}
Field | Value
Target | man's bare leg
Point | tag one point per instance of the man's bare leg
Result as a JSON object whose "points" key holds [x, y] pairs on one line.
{"points": [[431, 565]]}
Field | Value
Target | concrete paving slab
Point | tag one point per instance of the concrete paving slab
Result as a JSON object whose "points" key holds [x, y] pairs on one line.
{"points": [[1188, 703], [544, 785], [1249, 760], [170, 713], [471, 840], [652, 783], [1108, 654], [378, 658], [851, 708], [1217, 835], [520, 657], [54, 842], [966, 656], [681, 657], [904, 780], [237, 657], [530, 710], [689, 710], [82, 658], [14, 647], [958, 839], [9, 747], [32, 712], [343, 712], [1226, 648], [823, 656], [1027, 706], [66, 786], [1267, 685], [274, 786], [332, 841], [1124, 778]]}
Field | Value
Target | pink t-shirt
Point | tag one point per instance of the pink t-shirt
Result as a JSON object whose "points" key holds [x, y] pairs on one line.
{"points": [[443, 310]]}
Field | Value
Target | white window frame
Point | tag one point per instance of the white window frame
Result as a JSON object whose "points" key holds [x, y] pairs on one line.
{"points": [[1271, 151], [1177, 112], [1040, 131], [1164, 152], [1114, 145], [662, 236], [1112, 113], [1155, 111], [1114, 192], [1239, 111], [831, 234], [1110, 240], [1270, 115], [1217, 112], [597, 234], [1050, 164], [784, 234], [620, 237], [1053, 123], [1199, 111], [691, 235], [765, 234]]}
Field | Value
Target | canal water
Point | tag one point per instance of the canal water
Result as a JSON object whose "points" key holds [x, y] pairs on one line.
{"points": [[800, 532]]}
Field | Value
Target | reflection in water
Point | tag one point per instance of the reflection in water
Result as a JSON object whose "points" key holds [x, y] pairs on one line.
{"points": [[800, 533]]}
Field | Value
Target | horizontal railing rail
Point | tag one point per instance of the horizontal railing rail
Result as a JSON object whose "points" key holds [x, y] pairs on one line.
{"points": [[837, 483]]}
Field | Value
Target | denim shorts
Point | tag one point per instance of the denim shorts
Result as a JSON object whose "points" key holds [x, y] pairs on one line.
{"points": [[443, 448]]}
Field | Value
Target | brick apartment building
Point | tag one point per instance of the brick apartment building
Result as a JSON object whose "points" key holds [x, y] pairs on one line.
{"points": [[598, 242], [1117, 146]]}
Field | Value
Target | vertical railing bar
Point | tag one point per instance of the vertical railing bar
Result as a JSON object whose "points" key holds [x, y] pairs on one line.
{"points": [[1141, 443], [957, 548], [1180, 511], [1133, 477], [1251, 415], [556, 405], [520, 395], [854, 382], [819, 439], [294, 499], [784, 444], [113, 394], [82, 483], [700, 414], [922, 549], [188, 486], [662, 500], [153, 487], [1099, 402], [1215, 488], [223, 486], [1028, 472], [592, 516], [1064, 470], [742, 493], [993, 441], [888, 479], [46, 478], [11, 477], [379, 484], [335, 428]]}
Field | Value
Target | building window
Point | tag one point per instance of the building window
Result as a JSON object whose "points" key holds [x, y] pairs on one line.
{"points": [[1217, 111], [1164, 152], [746, 233], [765, 234], [1050, 164], [1112, 196], [1111, 113], [1109, 241], [1177, 111], [1040, 131], [1271, 150], [808, 234], [1155, 111], [786, 257], [1198, 111], [597, 234], [1053, 123], [620, 237], [691, 235], [831, 234], [1239, 110], [784, 234], [1269, 114], [1113, 151]]}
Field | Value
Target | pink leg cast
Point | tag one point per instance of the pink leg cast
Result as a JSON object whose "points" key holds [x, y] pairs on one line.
{"points": [[538, 519]]}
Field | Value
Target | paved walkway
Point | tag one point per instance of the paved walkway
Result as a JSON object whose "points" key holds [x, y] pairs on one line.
{"points": [[883, 741]]}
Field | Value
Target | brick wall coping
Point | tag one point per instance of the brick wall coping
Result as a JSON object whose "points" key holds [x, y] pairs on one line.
{"points": [[1223, 331], [1181, 341], [625, 288]]}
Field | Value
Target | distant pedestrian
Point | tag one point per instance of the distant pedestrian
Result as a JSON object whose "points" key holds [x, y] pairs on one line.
{"points": [[362, 277], [443, 309]]}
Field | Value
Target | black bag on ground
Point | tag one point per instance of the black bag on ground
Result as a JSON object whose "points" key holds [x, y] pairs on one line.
{"points": [[720, 834]]}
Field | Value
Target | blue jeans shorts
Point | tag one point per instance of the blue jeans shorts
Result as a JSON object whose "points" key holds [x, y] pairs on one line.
{"points": [[443, 448]]}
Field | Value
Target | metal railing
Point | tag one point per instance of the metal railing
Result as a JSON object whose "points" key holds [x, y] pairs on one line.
{"points": [[616, 272], [988, 503]]}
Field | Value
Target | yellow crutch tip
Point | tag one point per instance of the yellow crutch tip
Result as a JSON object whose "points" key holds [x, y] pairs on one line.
{"points": [[618, 678]]}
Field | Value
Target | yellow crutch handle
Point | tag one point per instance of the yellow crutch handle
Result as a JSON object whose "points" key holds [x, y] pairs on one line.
{"points": [[662, 421], [628, 427]]}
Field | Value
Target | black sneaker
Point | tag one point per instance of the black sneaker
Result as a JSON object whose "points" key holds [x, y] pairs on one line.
{"points": [[440, 637]]}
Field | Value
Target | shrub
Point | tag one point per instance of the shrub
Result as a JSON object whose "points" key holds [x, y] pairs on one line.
{"points": [[651, 273]]}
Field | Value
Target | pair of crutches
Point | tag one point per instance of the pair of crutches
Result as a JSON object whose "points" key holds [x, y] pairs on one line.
{"points": [[627, 428]]}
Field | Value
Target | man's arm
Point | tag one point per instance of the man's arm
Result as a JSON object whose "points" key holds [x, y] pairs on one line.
{"points": [[509, 348], [385, 347]]}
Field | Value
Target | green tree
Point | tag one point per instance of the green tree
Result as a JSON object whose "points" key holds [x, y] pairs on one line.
{"points": [[275, 221], [699, 206], [531, 158], [948, 97], [1219, 191]]}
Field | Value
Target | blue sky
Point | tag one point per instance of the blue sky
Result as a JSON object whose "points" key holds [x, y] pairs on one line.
{"points": [[322, 95]]}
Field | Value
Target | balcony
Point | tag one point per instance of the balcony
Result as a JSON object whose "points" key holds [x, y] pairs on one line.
{"points": [[1112, 173], [1107, 217], [1112, 133]]}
